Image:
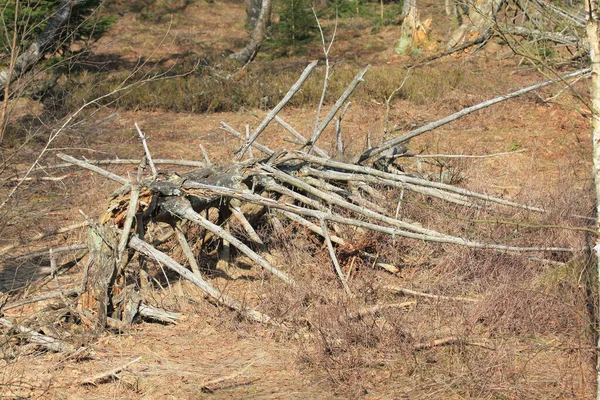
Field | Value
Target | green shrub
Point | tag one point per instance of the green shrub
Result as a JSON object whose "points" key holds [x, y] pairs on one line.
{"points": [[297, 24]]}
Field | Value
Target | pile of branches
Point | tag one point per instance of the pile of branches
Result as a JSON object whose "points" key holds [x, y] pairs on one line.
{"points": [[330, 197]]}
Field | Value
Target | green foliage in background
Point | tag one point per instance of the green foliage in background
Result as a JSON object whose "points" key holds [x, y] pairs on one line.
{"points": [[28, 18], [297, 24]]}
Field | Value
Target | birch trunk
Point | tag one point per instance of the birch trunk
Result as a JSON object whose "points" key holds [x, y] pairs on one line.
{"points": [[258, 35], [43, 43], [593, 37]]}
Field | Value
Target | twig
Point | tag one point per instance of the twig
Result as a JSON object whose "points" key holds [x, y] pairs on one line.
{"points": [[312, 227], [334, 259], [484, 37], [250, 152], [35, 299], [65, 249], [408, 179], [205, 155], [410, 292], [338, 129], [407, 305], [98, 170], [507, 153], [146, 151], [110, 374], [256, 199], [290, 129], [185, 246], [43, 178], [277, 108], [452, 340], [182, 209], [238, 135], [239, 215], [388, 100], [123, 161], [222, 383], [326, 53]]}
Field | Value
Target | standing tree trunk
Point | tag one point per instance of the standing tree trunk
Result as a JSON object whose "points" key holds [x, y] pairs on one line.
{"points": [[593, 37], [258, 35], [43, 43], [480, 18], [409, 27], [253, 8]]}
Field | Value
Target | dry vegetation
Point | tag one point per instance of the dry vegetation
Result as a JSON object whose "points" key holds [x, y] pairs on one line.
{"points": [[498, 326]]}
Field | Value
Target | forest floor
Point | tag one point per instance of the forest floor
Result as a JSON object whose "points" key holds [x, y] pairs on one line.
{"points": [[534, 316]]}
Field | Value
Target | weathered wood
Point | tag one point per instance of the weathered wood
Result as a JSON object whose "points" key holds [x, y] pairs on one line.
{"points": [[185, 246], [154, 313], [453, 340], [302, 139], [98, 170], [334, 259], [45, 252], [103, 245], [372, 152], [410, 292], [181, 208], [257, 199], [148, 250], [271, 115], [50, 343], [131, 211], [146, 150], [338, 104], [408, 179]]}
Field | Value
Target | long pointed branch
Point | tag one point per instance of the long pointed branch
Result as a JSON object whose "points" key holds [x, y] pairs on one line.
{"points": [[295, 87], [256, 199], [436, 124], [147, 151], [185, 246], [131, 210], [93, 168], [410, 179]]}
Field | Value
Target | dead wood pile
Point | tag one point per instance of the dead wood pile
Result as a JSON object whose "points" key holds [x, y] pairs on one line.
{"points": [[331, 197]]}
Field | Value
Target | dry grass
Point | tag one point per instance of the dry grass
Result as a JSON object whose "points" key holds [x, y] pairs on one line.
{"points": [[530, 335]]}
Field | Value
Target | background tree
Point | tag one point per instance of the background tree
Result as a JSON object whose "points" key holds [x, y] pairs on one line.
{"points": [[34, 29], [259, 34]]}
